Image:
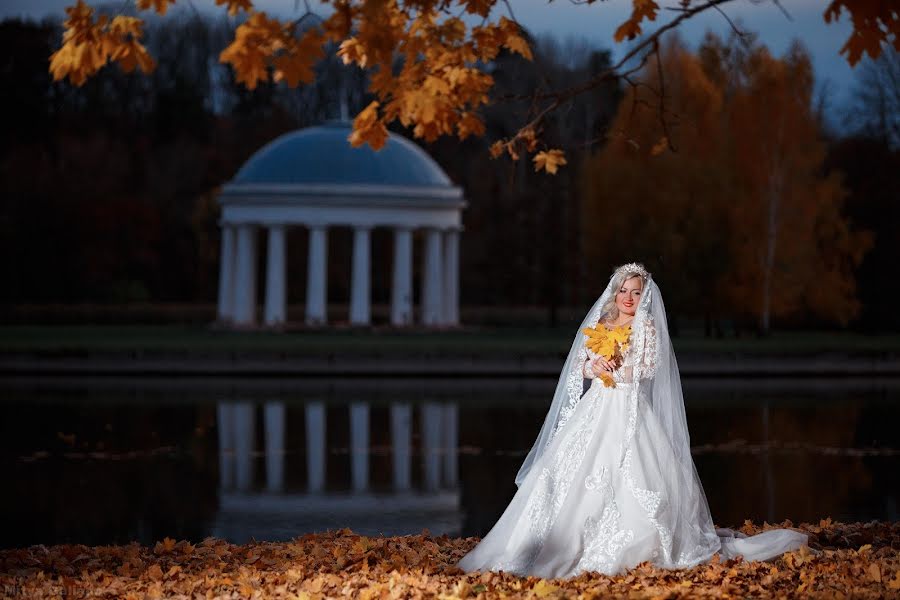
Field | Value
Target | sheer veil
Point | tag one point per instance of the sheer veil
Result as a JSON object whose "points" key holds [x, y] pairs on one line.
{"points": [[655, 379]]}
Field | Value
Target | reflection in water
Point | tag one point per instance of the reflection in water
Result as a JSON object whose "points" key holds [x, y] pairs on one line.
{"points": [[275, 510], [111, 460]]}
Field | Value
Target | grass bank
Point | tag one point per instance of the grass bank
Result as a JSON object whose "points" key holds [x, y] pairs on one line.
{"points": [[489, 342]]}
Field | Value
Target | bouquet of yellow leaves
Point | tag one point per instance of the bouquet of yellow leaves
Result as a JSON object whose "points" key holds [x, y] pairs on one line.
{"points": [[611, 344]]}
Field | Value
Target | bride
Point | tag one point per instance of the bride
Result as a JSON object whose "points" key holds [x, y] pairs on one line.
{"points": [[610, 482]]}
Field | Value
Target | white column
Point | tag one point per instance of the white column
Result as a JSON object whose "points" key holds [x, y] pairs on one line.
{"points": [[360, 310], [451, 277], [276, 297], [245, 276], [317, 276], [401, 289], [273, 415], [359, 446], [431, 294], [226, 273]]}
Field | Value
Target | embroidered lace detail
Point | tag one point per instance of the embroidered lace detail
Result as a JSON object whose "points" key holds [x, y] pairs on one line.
{"points": [[552, 487], [650, 502], [650, 355], [575, 379], [603, 540], [595, 481]]}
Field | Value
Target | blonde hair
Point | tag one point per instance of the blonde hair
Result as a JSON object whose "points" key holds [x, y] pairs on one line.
{"points": [[622, 274]]}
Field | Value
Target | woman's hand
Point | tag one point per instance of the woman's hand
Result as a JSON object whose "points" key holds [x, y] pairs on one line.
{"points": [[600, 365]]}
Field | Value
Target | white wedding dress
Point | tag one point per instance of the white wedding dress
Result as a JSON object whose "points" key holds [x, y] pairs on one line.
{"points": [[607, 485]]}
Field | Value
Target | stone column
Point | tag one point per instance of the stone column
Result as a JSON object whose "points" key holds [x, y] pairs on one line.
{"points": [[226, 273], [432, 279], [245, 276], [276, 296], [317, 276], [451, 277], [360, 308], [401, 289]]}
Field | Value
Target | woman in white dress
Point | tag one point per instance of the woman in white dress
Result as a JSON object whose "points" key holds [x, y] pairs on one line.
{"points": [[610, 481]]}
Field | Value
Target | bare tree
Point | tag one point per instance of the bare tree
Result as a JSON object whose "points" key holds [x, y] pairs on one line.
{"points": [[876, 106]]}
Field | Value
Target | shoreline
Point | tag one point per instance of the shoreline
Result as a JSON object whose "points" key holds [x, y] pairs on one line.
{"points": [[262, 364]]}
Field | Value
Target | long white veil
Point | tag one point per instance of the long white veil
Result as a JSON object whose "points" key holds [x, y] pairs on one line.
{"points": [[656, 380], [655, 373]]}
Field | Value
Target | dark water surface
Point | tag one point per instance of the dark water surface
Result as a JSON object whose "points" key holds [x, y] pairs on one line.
{"points": [[109, 460]]}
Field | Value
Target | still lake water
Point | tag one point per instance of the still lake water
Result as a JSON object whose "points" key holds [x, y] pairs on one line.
{"points": [[111, 460]]}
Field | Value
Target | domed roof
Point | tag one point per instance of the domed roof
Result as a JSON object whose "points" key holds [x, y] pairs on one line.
{"points": [[322, 154]]}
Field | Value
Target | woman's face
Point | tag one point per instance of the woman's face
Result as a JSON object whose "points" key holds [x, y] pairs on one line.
{"points": [[629, 294]]}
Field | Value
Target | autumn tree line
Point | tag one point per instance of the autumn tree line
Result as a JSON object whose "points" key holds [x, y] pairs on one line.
{"points": [[750, 211]]}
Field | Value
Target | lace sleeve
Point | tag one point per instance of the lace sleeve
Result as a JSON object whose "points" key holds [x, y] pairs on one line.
{"points": [[650, 354], [586, 367]]}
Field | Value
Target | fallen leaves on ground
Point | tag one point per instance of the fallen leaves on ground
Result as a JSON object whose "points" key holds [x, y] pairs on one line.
{"points": [[843, 560]]}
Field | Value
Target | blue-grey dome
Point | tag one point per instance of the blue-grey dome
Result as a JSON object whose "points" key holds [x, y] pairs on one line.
{"points": [[322, 154]]}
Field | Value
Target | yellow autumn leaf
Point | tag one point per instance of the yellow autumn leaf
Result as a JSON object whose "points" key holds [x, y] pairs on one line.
{"points": [[549, 160], [470, 124], [600, 342], [894, 584], [640, 10], [620, 335], [160, 6], [295, 65], [367, 128], [235, 6], [165, 546], [660, 146], [544, 588]]}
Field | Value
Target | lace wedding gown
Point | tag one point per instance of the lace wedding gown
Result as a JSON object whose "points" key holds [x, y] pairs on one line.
{"points": [[608, 493]]}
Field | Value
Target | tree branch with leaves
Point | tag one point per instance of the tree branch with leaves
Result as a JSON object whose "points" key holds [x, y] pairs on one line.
{"points": [[426, 62]]}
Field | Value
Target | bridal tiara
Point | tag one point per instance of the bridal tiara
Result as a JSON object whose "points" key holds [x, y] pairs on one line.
{"points": [[634, 268]]}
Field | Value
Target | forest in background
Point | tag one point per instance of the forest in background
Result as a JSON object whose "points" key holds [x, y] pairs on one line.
{"points": [[108, 190]]}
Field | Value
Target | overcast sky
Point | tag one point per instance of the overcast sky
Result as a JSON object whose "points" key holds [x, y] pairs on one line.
{"points": [[596, 23]]}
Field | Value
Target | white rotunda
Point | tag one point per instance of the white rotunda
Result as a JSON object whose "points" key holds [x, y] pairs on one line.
{"points": [[313, 178]]}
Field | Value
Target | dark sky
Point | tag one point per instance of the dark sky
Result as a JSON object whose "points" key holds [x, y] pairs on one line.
{"points": [[595, 24]]}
